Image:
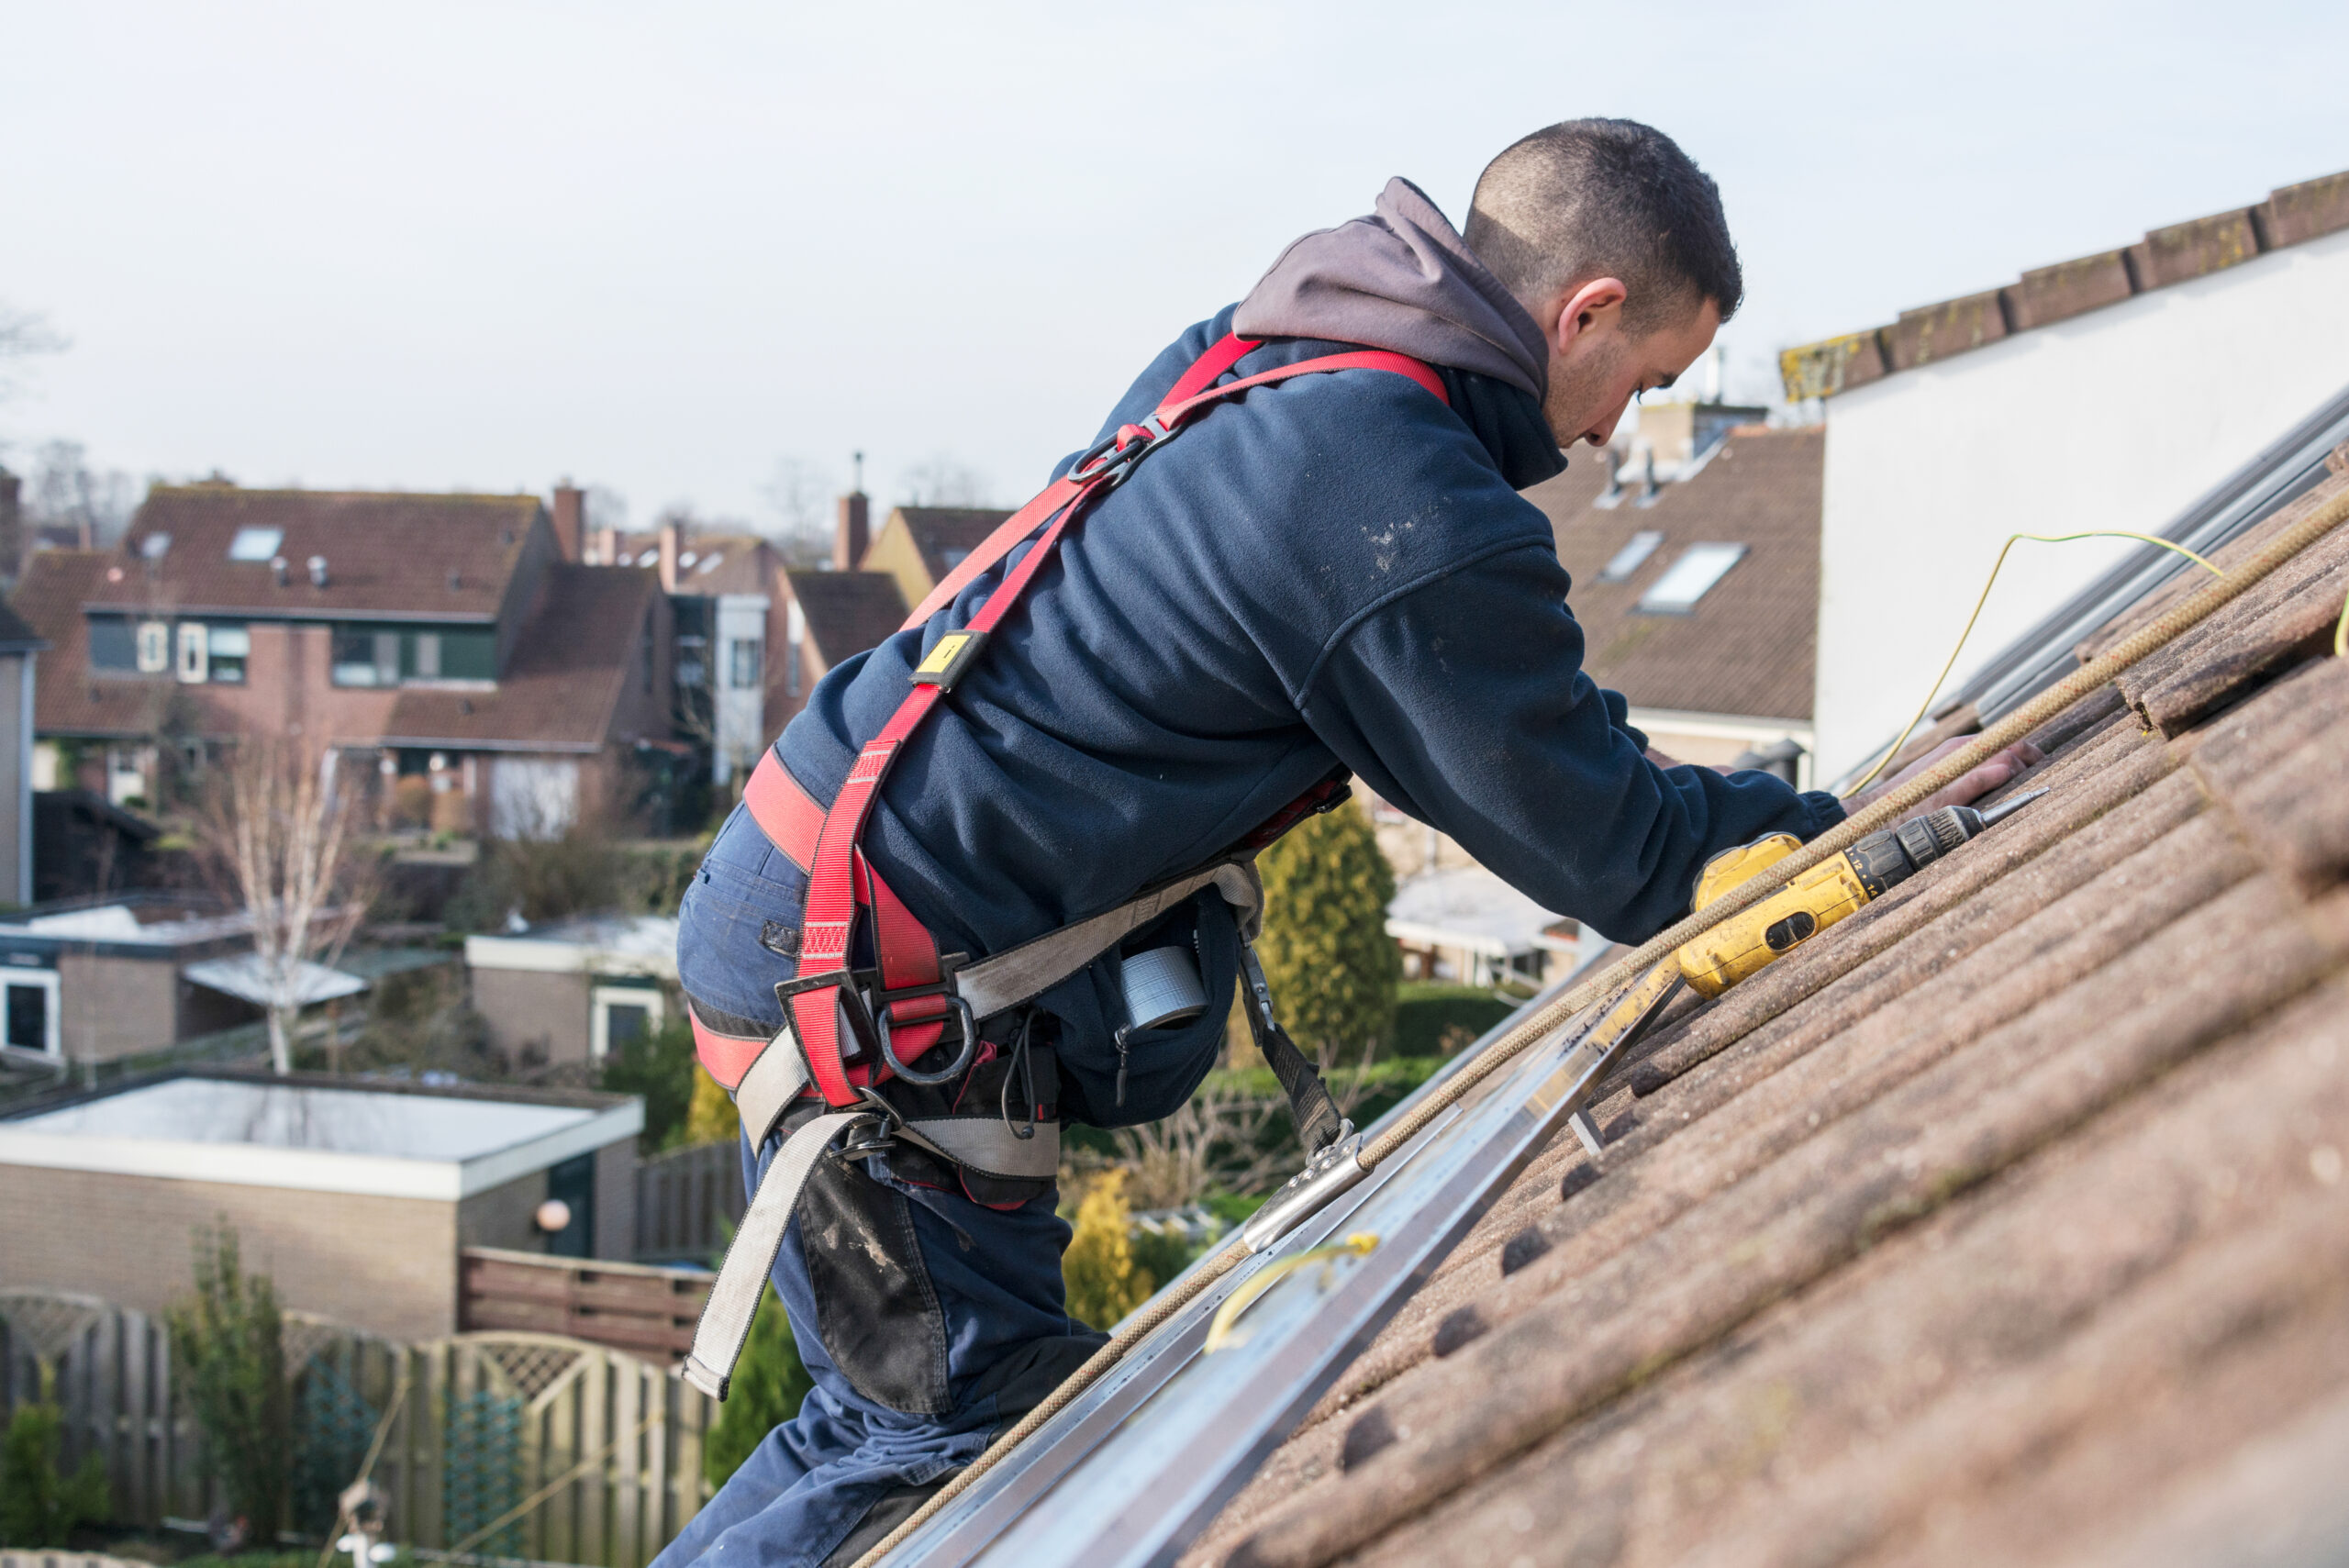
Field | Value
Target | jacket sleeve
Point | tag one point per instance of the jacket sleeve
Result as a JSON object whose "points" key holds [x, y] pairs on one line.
{"points": [[1463, 702]]}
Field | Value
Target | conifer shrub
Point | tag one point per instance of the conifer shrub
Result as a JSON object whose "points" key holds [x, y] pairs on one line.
{"points": [[38, 1506], [1332, 967], [229, 1359], [1103, 1279]]}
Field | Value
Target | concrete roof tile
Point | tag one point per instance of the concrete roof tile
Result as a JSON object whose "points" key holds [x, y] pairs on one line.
{"points": [[2014, 1204]]}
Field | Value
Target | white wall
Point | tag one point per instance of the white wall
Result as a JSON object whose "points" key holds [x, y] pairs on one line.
{"points": [[2116, 419], [740, 710]]}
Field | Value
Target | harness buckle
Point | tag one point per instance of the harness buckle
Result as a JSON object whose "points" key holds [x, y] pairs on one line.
{"points": [[850, 984], [1111, 460], [957, 1007]]}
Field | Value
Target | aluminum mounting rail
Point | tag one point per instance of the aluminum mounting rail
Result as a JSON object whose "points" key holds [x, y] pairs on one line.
{"points": [[1136, 1466]]}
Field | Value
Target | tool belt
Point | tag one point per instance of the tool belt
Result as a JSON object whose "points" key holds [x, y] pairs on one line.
{"points": [[848, 1032]]}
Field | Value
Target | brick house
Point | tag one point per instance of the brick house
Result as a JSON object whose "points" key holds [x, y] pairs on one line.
{"points": [[754, 634], [446, 646], [919, 545]]}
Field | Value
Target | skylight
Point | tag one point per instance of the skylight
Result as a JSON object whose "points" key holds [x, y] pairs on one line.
{"points": [[153, 546], [256, 544], [1631, 557], [1688, 579]]}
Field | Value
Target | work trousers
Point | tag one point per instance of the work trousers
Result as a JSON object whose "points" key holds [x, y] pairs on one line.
{"points": [[929, 1323]]}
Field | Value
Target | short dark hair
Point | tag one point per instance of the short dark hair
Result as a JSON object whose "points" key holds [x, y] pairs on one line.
{"points": [[1589, 199]]}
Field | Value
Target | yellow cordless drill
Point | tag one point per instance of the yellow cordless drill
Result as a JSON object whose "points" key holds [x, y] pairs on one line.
{"points": [[1712, 963]]}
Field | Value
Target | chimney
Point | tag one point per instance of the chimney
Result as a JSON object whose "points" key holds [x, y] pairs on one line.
{"points": [[855, 532], [671, 542], [277, 570], [570, 520], [12, 524]]}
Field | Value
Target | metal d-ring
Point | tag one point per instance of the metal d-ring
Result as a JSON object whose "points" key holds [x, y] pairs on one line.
{"points": [[962, 1009]]}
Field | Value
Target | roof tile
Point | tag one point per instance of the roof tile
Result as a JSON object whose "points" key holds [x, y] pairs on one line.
{"points": [[1968, 1233], [2067, 289], [446, 557], [1952, 327], [848, 612], [2195, 249]]}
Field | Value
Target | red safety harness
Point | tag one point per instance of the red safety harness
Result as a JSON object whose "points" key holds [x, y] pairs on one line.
{"points": [[913, 991]]}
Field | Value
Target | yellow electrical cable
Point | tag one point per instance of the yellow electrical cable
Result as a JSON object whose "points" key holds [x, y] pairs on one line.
{"points": [[2013, 540], [1358, 1244]]}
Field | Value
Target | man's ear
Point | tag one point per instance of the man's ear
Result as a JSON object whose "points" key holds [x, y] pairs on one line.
{"points": [[1587, 305]]}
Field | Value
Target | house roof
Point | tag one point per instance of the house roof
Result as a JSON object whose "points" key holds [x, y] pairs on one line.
{"points": [[67, 700], [438, 557], [16, 635], [726, 563], [1747, 646], [562, 685], [2292, 214], [2005, 1221], [1469, 907], [944, 535], [848, 612]]}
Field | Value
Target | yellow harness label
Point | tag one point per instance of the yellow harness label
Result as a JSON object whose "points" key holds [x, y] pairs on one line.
{"points": [[944, 665]]}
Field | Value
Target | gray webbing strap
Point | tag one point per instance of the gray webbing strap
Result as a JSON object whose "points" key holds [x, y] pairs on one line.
{"points": [[767, 1090], [987, 1146], [743, 1278], [1014, 976]]}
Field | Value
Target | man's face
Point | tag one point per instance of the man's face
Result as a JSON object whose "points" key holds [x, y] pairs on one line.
{"points": [[1597, 367]]}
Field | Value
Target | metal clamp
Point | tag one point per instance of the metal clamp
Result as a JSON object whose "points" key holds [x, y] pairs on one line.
{"points": [[1326, 1174]]}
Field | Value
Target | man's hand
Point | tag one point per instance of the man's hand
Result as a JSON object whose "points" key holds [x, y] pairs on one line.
{"points": [[2000, 768]]}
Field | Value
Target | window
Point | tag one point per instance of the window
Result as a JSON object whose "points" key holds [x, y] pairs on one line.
{"points": [[742, 672], [1631, 557], [195, 658], [572, 1184], [256, 544], [796, 633], [1688, 579], [28, 1009], [621, 1013], [427, 661], [113, 644], [154, 547], [366, 657], [154, 647], [227, 647]]}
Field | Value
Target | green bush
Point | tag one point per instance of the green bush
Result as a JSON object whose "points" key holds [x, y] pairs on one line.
{"points": [[228, 1351], [660, 1067], [1332, 967], [1437, 1018], [39, 1508], [769, 1382], [1099, 1270]]}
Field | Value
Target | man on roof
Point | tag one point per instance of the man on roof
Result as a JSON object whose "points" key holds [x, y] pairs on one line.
{"points": [[1329, 575]]}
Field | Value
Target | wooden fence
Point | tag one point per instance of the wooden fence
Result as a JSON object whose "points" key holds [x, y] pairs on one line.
{"points": [[687, 1203], [628, 1306], [504, 1444]]}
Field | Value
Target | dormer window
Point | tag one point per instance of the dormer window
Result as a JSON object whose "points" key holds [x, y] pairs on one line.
{"points": [[1690, 578], [195, 652], [256, 544], [154, 647]]}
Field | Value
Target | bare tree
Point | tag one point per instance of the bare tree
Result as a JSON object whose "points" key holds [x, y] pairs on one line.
{"points": [[943, 480], [799, 495], [67, 492], [277, 822]]}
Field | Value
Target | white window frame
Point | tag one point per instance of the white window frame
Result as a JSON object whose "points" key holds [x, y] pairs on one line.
{"points": [[46, 980], [194, 665], [599, 1023], [154, 647]]}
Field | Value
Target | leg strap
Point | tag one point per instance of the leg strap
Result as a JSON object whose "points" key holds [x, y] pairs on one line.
{"points": [[743, 1278]]}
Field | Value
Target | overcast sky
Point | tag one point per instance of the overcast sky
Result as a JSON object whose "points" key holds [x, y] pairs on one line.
{"points": [[666, 248]]}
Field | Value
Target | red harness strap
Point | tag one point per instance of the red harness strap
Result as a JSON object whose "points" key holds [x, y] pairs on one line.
{"points": [[839, 884]]}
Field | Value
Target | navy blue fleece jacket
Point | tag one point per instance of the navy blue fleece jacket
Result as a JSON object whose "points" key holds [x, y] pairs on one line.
{"points": [[1333, 570]]}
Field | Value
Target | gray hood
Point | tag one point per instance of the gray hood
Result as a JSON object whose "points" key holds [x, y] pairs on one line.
{"points": [[1401, 279]]}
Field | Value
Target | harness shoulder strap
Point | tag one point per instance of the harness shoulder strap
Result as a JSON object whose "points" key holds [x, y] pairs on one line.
{"points": [[839, 885]]}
